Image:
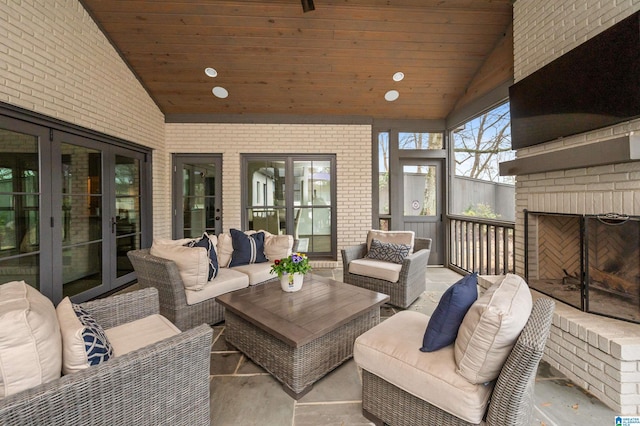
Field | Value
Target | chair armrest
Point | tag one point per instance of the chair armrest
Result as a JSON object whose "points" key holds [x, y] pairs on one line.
{"points": [[352, 253], [164, 383], [414, 265], [123, 308]]}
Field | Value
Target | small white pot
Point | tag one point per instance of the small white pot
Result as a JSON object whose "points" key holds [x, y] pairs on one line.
{"points": [[291, 282]]}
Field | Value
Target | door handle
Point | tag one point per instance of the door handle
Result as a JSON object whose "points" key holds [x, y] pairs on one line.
{"points": [[113, 225]]}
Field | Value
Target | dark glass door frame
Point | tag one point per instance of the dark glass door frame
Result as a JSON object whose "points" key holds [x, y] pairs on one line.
{"points": [[289, 195], [51, 133], [179, 161]]}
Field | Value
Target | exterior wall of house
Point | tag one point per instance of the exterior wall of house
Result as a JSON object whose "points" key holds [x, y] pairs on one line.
{"points": [[350, 143], [57, 62], [599, 354]]}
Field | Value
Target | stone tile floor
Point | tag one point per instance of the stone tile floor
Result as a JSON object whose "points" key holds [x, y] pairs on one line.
{"points": [[244, 394]]}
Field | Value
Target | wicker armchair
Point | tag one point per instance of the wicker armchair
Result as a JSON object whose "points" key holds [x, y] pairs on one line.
{"points": [[412, 282], [511, 402], [166, 383]]}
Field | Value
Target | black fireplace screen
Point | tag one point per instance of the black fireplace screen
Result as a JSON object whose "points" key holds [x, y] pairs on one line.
{"points": [[591, 262]]}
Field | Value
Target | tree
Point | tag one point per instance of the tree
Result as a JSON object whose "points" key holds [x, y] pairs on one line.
{"points": [[482, 143]]}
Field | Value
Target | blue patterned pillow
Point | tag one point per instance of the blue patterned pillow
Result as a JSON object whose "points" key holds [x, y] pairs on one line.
{"points": [[247, 249], [389, 252], [96, 344], [211, 254]]}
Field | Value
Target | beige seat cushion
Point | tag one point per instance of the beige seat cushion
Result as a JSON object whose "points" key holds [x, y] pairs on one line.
{"points": [[257, 272], [376, 269], [30, 343], [390, 350], [140, 333], [192, 262], [395, 237], [490, 329], [228, 279]]}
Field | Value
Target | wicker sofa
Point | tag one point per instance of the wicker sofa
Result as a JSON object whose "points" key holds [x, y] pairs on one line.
{"points": [[403, 386], [165, 383], [411, 282], [187, 308]]}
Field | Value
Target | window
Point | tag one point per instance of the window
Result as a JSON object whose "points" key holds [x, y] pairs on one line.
{"points": [[479, 145], [420, 140], [292, 194]]}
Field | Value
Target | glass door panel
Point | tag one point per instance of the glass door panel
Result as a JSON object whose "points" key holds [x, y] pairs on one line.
{"points": [[127, 214], [199, 199], [420, 191], [19, 208], [421, 202], [82, 204], [266, 196], [312, 192], [197, 195]]}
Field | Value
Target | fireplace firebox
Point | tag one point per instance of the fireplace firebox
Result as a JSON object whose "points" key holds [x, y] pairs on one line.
{"points": [[591, 262]]}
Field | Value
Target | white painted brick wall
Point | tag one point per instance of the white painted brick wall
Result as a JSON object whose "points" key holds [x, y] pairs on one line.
{"points": [[350, 143], [54, 60]]}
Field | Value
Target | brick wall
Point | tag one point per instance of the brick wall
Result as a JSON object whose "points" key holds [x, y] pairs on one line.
{"points": [[55, 61], [350, 143], [599, 354]]}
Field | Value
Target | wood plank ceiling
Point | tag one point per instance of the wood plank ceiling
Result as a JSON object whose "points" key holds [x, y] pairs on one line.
{"points": [[337, 60]]}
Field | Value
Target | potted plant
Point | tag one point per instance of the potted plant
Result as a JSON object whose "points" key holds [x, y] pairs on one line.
{"points": [[291, 271]]}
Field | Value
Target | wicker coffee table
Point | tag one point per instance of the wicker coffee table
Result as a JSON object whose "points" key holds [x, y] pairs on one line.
{"points": [[299, 337]]}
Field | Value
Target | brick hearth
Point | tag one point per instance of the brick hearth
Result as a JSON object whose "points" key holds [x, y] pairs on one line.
{"points": [[599, 354]]}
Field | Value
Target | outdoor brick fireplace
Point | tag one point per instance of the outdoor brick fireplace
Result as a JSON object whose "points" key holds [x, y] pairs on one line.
{"points": [[591, 262], [564, 191]]}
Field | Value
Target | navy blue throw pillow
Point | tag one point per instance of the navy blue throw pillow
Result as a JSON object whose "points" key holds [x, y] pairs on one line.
{"points": [[247, 249], [443, 326], [211, 254]]}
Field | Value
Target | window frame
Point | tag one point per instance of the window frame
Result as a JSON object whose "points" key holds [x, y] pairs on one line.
{"points": [[289, 159]]}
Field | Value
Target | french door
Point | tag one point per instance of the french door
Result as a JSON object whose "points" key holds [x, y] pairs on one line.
{"points": [[197, 192], [70, 208]]}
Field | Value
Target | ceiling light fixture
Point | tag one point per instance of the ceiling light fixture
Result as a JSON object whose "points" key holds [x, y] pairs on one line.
{"points": [[391, 95], [211, 72], [307, 6], [220, 92], [398, 76]]}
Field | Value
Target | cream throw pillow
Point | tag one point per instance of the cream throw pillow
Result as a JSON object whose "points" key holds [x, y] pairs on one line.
{"points": [[30, 343], [224, 249], [192, 262], [277, 246], [490, 329]]}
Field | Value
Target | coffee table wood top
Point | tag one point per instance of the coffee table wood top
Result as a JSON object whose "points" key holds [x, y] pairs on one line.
{"points": [[297, 318]]}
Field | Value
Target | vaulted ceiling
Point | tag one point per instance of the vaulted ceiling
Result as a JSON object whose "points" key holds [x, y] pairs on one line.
{"points": [[336, 60]]}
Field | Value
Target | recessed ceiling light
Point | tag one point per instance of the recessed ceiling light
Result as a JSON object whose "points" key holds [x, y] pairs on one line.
{"points": [[398, 76], [391, 95], [220, 92], [211, 72]]}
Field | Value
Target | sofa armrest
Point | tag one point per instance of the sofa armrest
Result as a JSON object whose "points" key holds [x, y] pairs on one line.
{"points": [[164, 383], [123, 308]]}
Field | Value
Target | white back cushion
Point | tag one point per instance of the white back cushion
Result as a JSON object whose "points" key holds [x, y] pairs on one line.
{"points": [[395, 237], [192, 262], [490, 329], [30, 343]]}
